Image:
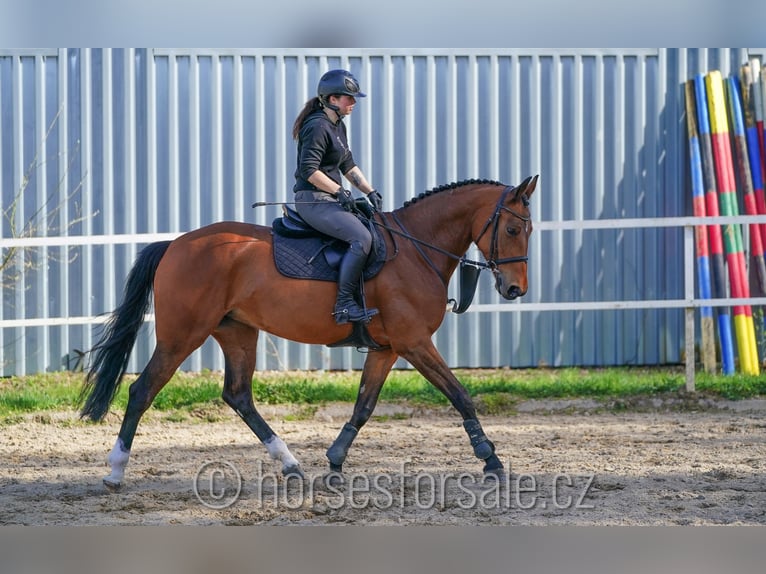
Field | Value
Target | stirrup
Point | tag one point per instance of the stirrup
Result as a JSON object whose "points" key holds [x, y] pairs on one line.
{"points": [[343, 316]]}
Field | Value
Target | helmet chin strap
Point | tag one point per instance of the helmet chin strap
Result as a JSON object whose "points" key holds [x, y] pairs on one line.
{"points": [[326, 104]]}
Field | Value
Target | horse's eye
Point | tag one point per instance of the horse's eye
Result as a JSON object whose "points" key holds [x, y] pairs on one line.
{"points": [[512, 231]]}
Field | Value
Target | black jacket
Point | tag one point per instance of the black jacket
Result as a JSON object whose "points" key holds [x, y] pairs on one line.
{"points": [[322, 145]]}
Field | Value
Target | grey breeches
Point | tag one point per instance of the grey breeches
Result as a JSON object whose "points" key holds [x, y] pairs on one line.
{"points": [[323, 212]]}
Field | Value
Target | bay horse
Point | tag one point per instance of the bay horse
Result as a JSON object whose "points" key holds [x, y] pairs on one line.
{"points": [[221, 281]]}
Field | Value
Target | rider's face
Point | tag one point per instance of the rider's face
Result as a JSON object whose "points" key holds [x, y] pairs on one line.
{"points": [[345, 103]]}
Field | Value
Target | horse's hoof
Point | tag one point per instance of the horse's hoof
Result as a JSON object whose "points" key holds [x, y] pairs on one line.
{"points": [[493, 469], [294, 470], [334, 479], [111, 484], [495, 474]]}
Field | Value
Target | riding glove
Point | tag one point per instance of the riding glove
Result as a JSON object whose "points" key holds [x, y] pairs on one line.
{"points": [[376, 200], [345, 199]]}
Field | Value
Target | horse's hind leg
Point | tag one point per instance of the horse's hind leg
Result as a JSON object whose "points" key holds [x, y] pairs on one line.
{"points": [[157, 373], [427, 360], [376, 368], [238, 342]]}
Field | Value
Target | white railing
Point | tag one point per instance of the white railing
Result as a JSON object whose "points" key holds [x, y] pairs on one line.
{"points": [[689, 302]]}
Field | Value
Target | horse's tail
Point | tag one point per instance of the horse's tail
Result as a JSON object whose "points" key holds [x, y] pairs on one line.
{"points": [[112, 352]]}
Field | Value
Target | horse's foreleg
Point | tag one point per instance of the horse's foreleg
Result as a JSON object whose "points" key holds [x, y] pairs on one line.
{"points": [[238, 342], [376, 368], [427, 360]]}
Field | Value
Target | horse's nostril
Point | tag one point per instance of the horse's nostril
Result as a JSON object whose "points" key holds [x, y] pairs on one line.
{"points": [[514, 291]]}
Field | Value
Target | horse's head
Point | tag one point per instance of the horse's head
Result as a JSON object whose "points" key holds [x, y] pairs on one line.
{"points": [[504, 238]]}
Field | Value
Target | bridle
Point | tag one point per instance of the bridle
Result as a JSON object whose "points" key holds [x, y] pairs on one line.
{"points": [[494, 221]]}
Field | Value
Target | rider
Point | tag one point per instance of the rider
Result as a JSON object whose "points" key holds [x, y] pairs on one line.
{"points": [[323, 155]]}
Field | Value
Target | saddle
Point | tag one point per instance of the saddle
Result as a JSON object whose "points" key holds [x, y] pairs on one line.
{"points": [[302, 252]]}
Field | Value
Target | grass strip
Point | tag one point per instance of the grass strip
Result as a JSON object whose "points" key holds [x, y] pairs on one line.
{"points": [[60, 391]]}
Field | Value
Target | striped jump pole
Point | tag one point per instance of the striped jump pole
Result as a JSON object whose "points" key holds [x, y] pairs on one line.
{"points": [[752, 105], [760, 111], [742, 156], [727, 192], [759, 97], [700, 233], [717, 257]]}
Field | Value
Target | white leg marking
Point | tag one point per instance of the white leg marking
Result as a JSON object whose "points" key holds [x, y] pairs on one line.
{"points": [[278, 451], [118, 460]]}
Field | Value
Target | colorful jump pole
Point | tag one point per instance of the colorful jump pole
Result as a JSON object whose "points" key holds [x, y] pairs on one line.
{"points": [[714, 231], [753, 112], [742, 155], [743, 317], [700, 233], [759, 79], [752, 105]]}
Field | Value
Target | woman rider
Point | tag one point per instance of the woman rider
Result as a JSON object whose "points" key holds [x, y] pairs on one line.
{"points": [[323, 155]]}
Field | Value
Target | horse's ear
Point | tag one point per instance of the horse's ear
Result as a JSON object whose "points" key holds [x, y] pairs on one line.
{"points": [[527, 187]]}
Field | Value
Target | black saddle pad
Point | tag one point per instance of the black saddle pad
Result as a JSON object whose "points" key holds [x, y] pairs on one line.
{"points": [[318, 256]]}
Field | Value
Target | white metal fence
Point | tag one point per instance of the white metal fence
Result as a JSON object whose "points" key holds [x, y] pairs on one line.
{"points": [[689, 303]]}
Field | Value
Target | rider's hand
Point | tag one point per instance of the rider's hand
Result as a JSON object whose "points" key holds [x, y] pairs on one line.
{"points": [[345, 199], [376, 200]]}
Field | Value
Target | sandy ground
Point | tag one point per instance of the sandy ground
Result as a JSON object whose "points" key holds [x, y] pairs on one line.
{"points": [[406, 467]]}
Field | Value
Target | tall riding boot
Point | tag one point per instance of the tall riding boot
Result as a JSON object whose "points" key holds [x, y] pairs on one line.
{"points": [[351, 267]]}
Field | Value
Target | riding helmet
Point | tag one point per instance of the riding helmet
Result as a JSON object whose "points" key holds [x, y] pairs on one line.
{"points": [[336, 82]]}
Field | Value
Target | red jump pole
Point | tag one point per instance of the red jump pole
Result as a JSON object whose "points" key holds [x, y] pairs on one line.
{"points": [[743, 316], [717, 254]]}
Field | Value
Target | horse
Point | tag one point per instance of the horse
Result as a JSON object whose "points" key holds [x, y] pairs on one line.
{"points": [[221, 281]]}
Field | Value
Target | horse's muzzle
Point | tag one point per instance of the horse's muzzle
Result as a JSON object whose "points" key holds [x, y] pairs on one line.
{"points": [[514, 291], [508, 291]]}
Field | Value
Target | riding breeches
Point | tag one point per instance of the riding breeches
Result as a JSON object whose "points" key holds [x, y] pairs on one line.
{"points": [[323, 212]]}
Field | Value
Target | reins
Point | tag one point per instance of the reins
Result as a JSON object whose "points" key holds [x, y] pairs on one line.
{"points": [[491, 263], [469, 268]]}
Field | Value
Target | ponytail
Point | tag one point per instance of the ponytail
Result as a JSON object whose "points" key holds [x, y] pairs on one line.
{"points": [[311, 106]]}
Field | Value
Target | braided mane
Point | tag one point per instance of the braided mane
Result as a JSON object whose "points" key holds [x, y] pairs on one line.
{"points": [[448, 186]]}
